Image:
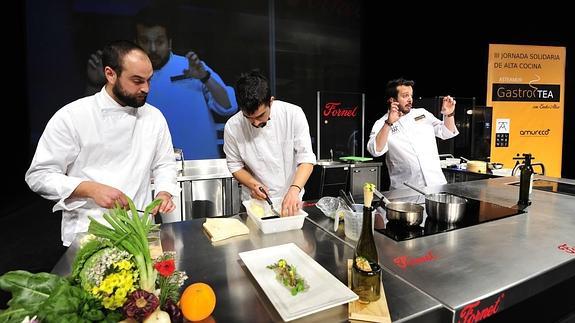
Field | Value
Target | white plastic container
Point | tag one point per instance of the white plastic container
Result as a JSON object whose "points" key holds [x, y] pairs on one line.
{"points": [[273, 225], [353, 222]]}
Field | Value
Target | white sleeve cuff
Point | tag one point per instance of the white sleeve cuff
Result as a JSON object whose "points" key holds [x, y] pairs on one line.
{"points": [[68, 204]]}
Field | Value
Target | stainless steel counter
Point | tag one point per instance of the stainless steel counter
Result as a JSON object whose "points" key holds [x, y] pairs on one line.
{"points": [[239, 297], [492, 266], [509, 259]]}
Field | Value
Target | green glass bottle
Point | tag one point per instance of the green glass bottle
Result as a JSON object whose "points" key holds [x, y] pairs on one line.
{"points": [[366, 244], [366, 272]]}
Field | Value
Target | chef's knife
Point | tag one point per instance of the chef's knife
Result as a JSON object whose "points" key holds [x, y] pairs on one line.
{"points": [[276, 214]]}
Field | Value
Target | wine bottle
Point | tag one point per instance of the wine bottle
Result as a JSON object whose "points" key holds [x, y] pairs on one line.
{"points": [[366, 273], [526, 181], [366, 244]]}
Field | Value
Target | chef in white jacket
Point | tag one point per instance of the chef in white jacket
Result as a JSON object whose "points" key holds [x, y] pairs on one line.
{"points": [[99, 149], [268, 145], [408, 137]]}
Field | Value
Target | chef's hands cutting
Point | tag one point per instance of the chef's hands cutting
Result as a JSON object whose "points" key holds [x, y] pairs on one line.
{"points": [[448, 105], [291, 203], [256, 192]]}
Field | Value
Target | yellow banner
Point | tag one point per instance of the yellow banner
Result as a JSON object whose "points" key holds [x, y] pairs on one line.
{"points": [[525, 87]]}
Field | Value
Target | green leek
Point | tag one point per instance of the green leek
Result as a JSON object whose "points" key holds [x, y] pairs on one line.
{"points": [[130, 233]]}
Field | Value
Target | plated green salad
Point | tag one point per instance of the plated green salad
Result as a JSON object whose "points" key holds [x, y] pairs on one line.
{"points": [[288, 276]]}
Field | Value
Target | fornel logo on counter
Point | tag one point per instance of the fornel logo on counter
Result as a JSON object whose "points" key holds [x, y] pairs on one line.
{"points": [[333, 109], [474, 312], [566, 248], [404, 261]]}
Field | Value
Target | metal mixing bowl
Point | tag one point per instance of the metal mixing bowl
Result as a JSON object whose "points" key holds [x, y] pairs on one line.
{"points": [[445, 207]]}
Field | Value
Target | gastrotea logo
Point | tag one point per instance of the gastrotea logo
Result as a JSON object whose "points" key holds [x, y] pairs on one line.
{"points": [[526, 92]]}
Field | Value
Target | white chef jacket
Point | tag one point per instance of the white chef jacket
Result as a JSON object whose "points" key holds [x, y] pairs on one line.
{"points": [[411, 149], [96, 139], [272, 153]]}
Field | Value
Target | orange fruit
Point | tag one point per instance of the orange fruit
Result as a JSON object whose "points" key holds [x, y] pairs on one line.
{"points": [[197, 301]]}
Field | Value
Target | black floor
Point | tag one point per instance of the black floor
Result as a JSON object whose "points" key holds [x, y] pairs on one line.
{"points": [[30, 234]]}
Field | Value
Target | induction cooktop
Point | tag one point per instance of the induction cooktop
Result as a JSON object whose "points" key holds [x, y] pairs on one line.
{"points": [[476, 212]]}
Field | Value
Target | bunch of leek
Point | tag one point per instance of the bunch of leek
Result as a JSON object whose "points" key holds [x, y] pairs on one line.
{"points": [[131, 234]]}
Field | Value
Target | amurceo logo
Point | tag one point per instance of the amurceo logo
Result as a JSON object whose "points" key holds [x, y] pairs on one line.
{"points": [[534, 132], [526, 92]]}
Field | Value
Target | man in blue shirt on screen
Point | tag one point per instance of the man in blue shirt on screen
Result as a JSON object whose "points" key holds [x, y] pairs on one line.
{"points": [[186, 89]]}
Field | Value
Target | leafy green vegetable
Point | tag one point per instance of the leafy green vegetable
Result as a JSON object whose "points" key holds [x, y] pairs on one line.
{"points": [[51, 298], [29, 291], [130, 233], [87, 250], [288, 276], [84, 275]]}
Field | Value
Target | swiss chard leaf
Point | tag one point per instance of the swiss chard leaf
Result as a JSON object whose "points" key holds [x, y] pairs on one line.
{"points": [[29, 290], [71, 304], [14, 314]]}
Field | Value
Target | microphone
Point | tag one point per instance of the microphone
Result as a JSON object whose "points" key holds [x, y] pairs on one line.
{"points": [[179, 77]]}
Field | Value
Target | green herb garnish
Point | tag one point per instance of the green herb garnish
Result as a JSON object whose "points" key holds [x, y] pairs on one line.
{"points": [[288, 276]]}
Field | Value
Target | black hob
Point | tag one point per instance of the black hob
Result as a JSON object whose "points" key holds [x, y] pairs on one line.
{"points": [[476, 212]]}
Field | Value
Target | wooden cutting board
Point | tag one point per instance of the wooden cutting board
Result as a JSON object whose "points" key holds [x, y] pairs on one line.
{"points": [[372, 312]]}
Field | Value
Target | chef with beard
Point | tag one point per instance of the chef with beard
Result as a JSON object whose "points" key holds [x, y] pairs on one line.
{"points": [[408, 137], [98, 150]]}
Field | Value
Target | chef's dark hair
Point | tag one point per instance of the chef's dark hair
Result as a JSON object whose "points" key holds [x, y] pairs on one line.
{"points": [[252, 90], [113, 54], [391, 87]]}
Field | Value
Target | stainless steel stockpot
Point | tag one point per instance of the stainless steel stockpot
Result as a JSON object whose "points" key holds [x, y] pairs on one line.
{"points": [[406, 213], [443, 207]]}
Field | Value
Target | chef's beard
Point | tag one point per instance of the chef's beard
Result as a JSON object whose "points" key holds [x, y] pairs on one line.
{"points": [[405, 110], [132, 100], [261, 125]]}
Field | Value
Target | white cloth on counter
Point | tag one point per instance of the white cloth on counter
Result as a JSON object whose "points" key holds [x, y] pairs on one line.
{"points": [[272, 153], [411, 149], [223, 228], [96, 139]]}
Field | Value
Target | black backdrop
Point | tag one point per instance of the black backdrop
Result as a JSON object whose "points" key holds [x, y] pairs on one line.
{"points": [[16, 130], [445, 52]]}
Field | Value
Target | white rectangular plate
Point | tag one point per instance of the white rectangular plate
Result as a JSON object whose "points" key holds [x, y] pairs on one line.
{"points": [[325, 291]]}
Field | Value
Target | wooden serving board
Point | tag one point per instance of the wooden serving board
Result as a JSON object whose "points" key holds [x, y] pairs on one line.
{"points": [[372, 312]]}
